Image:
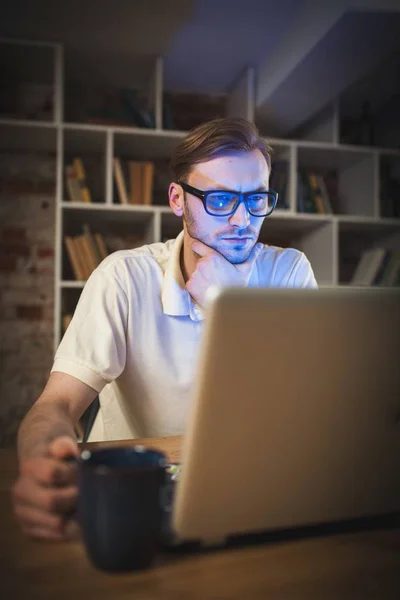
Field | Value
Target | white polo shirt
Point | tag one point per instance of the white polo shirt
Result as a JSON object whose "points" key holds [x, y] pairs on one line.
{"points": [[135, 335]]}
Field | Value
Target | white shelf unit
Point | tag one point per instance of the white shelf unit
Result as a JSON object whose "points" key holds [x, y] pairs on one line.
{"points": [[332, 242]]}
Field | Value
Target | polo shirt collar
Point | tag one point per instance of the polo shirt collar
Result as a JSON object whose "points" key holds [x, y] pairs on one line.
{"points": [[176, 300]]}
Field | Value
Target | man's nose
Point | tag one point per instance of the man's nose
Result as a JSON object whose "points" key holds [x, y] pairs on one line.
{"points": [[240, 217]]}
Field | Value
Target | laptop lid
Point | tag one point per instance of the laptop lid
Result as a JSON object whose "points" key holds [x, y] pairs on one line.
{"points": [[296, 415]]}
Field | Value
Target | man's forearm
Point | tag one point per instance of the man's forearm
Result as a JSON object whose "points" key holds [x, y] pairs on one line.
{"points": [[44, 422]]}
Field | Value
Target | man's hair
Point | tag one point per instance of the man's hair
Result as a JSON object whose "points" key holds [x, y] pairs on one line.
{"points": [[214, 138]]}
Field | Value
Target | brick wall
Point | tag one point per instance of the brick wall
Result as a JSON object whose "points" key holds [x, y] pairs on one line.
{"points": [[27, 209]]}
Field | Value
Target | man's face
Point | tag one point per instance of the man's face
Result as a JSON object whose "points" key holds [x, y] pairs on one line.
{"points": [[233, 236]]}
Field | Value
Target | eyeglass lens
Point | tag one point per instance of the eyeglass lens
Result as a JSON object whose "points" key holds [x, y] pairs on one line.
{"points": [[222, 203]]}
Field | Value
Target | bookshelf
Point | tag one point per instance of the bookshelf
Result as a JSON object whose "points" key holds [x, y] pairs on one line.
{"points": [[333, 241]]}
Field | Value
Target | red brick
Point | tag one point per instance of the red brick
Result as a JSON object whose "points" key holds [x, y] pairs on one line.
{"points": [[26, 187], [45, 252], [8, 264], [15, 249], [14, 234], [29, 313], [46, 270]]}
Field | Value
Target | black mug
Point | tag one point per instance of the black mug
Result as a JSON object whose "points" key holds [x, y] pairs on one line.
{"points": [[120, 492]]}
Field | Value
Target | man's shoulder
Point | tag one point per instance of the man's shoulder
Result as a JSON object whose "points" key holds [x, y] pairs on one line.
{"points": [[276, 265], [284, 267], [155, 254], [276, 253]]}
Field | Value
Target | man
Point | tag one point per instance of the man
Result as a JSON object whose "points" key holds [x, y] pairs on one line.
{"points": [[135, 334]]}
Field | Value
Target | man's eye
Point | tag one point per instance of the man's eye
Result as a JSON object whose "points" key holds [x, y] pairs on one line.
{"points": [[220, 199]]}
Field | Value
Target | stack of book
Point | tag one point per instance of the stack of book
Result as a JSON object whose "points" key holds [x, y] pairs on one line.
{"points": [[85, 252], [312, 193], [134, 181], [76, 180], [378, 266]]}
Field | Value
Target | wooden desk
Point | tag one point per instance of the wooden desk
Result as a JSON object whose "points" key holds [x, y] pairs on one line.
{"points": [[362, 565]]}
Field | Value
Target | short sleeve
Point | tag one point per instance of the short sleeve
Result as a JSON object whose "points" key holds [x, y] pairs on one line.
{"points": [[93, 348], [302, 275]]}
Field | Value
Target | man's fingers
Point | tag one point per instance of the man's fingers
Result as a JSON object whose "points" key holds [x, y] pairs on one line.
{"points": [[48, 471], [71, 530], [53, 500], [34, 517], [63, 447], [201, 249], [43, 533]]}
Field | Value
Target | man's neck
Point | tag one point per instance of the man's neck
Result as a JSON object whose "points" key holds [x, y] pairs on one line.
{"points": [[188, 258]]}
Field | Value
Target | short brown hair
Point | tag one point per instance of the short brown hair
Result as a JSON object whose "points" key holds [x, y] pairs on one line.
{"points": [[215, 137]]}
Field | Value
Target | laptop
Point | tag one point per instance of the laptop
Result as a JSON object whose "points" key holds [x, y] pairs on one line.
{"points": [[295, 425]]}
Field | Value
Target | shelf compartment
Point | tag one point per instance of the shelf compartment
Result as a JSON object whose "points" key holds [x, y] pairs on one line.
{"points": [[120, 229], [323, 127], [351, 177], [116, 93], [156, 148], [355, 237], [89, 146], [183, 111], [27, 80], [369, 107]]}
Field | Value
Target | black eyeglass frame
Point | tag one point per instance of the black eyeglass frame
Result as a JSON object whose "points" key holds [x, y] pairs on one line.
{"points": [[242, 197]]}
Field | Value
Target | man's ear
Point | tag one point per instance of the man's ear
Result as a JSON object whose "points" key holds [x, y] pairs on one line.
{"points": [[175, 196]]}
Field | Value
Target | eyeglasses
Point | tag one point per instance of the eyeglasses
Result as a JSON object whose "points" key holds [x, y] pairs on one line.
{"points": [[222, 203]]}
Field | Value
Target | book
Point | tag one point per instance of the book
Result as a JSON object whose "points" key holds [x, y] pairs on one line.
{"points": [[325, 194], [368, 266], [315, 190], [91, 246], [306, 200], [120, 181], [392, 269], [73, 186], [135, 182], [75, 258], [81, 176], [85, 252], [381, 269], [147, 182], [84, 259], [101, 245]]}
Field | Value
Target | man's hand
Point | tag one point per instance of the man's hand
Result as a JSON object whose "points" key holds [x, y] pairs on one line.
{"points": [[213, 269], [46, 493]]}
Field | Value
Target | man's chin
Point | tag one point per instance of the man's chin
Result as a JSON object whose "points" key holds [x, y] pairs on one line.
{"points": [[235, 256]]}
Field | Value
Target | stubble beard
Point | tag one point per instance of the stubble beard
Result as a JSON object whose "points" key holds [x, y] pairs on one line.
{"points": [[231, 255]]}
